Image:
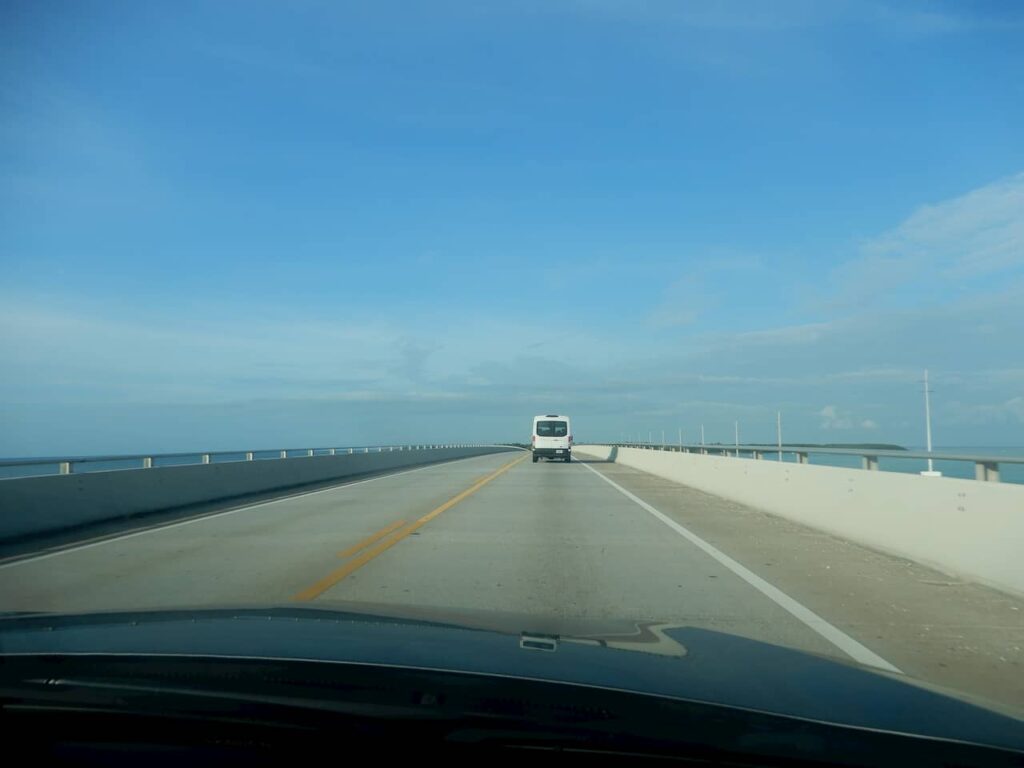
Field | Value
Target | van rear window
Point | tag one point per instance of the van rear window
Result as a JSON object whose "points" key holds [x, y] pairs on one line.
{"points": [[552, 429]]}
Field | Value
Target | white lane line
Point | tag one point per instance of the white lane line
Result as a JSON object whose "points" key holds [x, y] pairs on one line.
{"points": [[201, 518], [834, 635]]}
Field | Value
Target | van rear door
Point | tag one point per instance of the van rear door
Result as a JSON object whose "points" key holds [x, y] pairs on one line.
{"points": [[551, 432]]}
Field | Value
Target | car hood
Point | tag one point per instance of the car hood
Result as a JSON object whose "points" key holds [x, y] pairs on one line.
{"points": [[661, 659]]}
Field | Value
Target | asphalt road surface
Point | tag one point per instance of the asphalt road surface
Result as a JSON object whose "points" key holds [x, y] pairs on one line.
{"points": [[589, 540]]}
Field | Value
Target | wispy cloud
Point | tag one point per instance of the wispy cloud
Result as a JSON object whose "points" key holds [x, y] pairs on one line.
{"points": [[698, 291], [808, 333], [832, 417], [1009, 411], [978, 234], [682, 303], [738, 15]]}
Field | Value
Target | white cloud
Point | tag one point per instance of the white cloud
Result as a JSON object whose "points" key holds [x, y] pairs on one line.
{"points": [[977, 234], [833, 417], [980, 232], [794, 334], [62, 351]]}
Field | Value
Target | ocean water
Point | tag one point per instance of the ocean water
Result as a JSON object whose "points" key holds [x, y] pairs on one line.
{"points": [[51, 468], [1008, 473]]}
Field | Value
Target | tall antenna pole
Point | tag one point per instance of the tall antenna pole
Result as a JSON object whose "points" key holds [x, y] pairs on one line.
{"points": [[778, 432], [928, 420], [737, 439], [702, 438], [680, 437]]}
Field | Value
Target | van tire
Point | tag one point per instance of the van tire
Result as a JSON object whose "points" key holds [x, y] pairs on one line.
{"points": [[534, 459]]}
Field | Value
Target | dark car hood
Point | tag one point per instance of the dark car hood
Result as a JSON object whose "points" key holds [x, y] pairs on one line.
{"points": [[656, 659]]}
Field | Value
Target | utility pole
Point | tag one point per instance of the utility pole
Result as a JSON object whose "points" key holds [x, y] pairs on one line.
{"points": [[737, 439], [778, 432], [928, 427], [702, 439], [680, 437]]}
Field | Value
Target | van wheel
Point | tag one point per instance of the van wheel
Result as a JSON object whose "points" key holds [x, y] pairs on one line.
{"points": [[534, 459], [568, 459]]}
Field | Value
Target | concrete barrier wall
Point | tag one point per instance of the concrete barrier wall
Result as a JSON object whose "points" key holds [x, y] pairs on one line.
{"points": [[38, 505], [971, 529]]}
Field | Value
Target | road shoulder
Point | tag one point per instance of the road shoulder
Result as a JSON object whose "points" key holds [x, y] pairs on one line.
{"points": [[932, 626]]}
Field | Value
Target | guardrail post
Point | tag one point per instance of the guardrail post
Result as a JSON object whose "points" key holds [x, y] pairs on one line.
{"points": [[987, 471], [332, 452], [147, 462], [64, 468], [309, 452], [802, 458], [206, 458], [284, 454], [248, 455], [758, 454], [869, 462]]}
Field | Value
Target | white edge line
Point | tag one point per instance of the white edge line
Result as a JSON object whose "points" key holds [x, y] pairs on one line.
{"points": [[833, 634], [225, 513]]}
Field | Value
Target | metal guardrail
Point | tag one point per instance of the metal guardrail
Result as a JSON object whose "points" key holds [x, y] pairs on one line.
{"points": [[986, 468], [66, 465]]}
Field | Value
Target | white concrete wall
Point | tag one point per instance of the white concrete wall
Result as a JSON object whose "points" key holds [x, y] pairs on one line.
{"points": [[971, 529], [30, 506]]}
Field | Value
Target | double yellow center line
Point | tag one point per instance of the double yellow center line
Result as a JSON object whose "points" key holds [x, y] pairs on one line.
{"points": [[385, 538]]}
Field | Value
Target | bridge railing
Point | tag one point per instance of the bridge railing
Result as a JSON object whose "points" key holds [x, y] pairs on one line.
{"points": [[66, 465], [986, 468]]}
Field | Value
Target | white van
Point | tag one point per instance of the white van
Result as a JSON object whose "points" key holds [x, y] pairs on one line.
{"points": [[552, 437]]}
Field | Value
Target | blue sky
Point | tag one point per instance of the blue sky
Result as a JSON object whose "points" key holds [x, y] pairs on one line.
{"points": [[235, 224]]}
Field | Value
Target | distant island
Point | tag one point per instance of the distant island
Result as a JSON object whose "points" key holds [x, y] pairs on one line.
{"points": [[791, 446], [786, 446], [858, 446]]}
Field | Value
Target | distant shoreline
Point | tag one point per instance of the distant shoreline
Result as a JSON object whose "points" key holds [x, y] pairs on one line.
{"points": [[875, 446], [791, 446]]}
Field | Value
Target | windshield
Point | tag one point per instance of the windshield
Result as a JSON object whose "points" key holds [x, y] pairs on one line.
{"points": [[284, 286]]}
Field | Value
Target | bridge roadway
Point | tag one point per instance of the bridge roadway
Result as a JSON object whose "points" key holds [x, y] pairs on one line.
{"points": [[587, 540]]}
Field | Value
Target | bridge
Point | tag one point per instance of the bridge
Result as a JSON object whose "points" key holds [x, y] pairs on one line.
{"points": [[912, 575]]}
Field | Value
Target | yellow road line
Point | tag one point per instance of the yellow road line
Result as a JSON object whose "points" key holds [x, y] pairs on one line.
{"points": [[370, 539], [355, 564]]}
